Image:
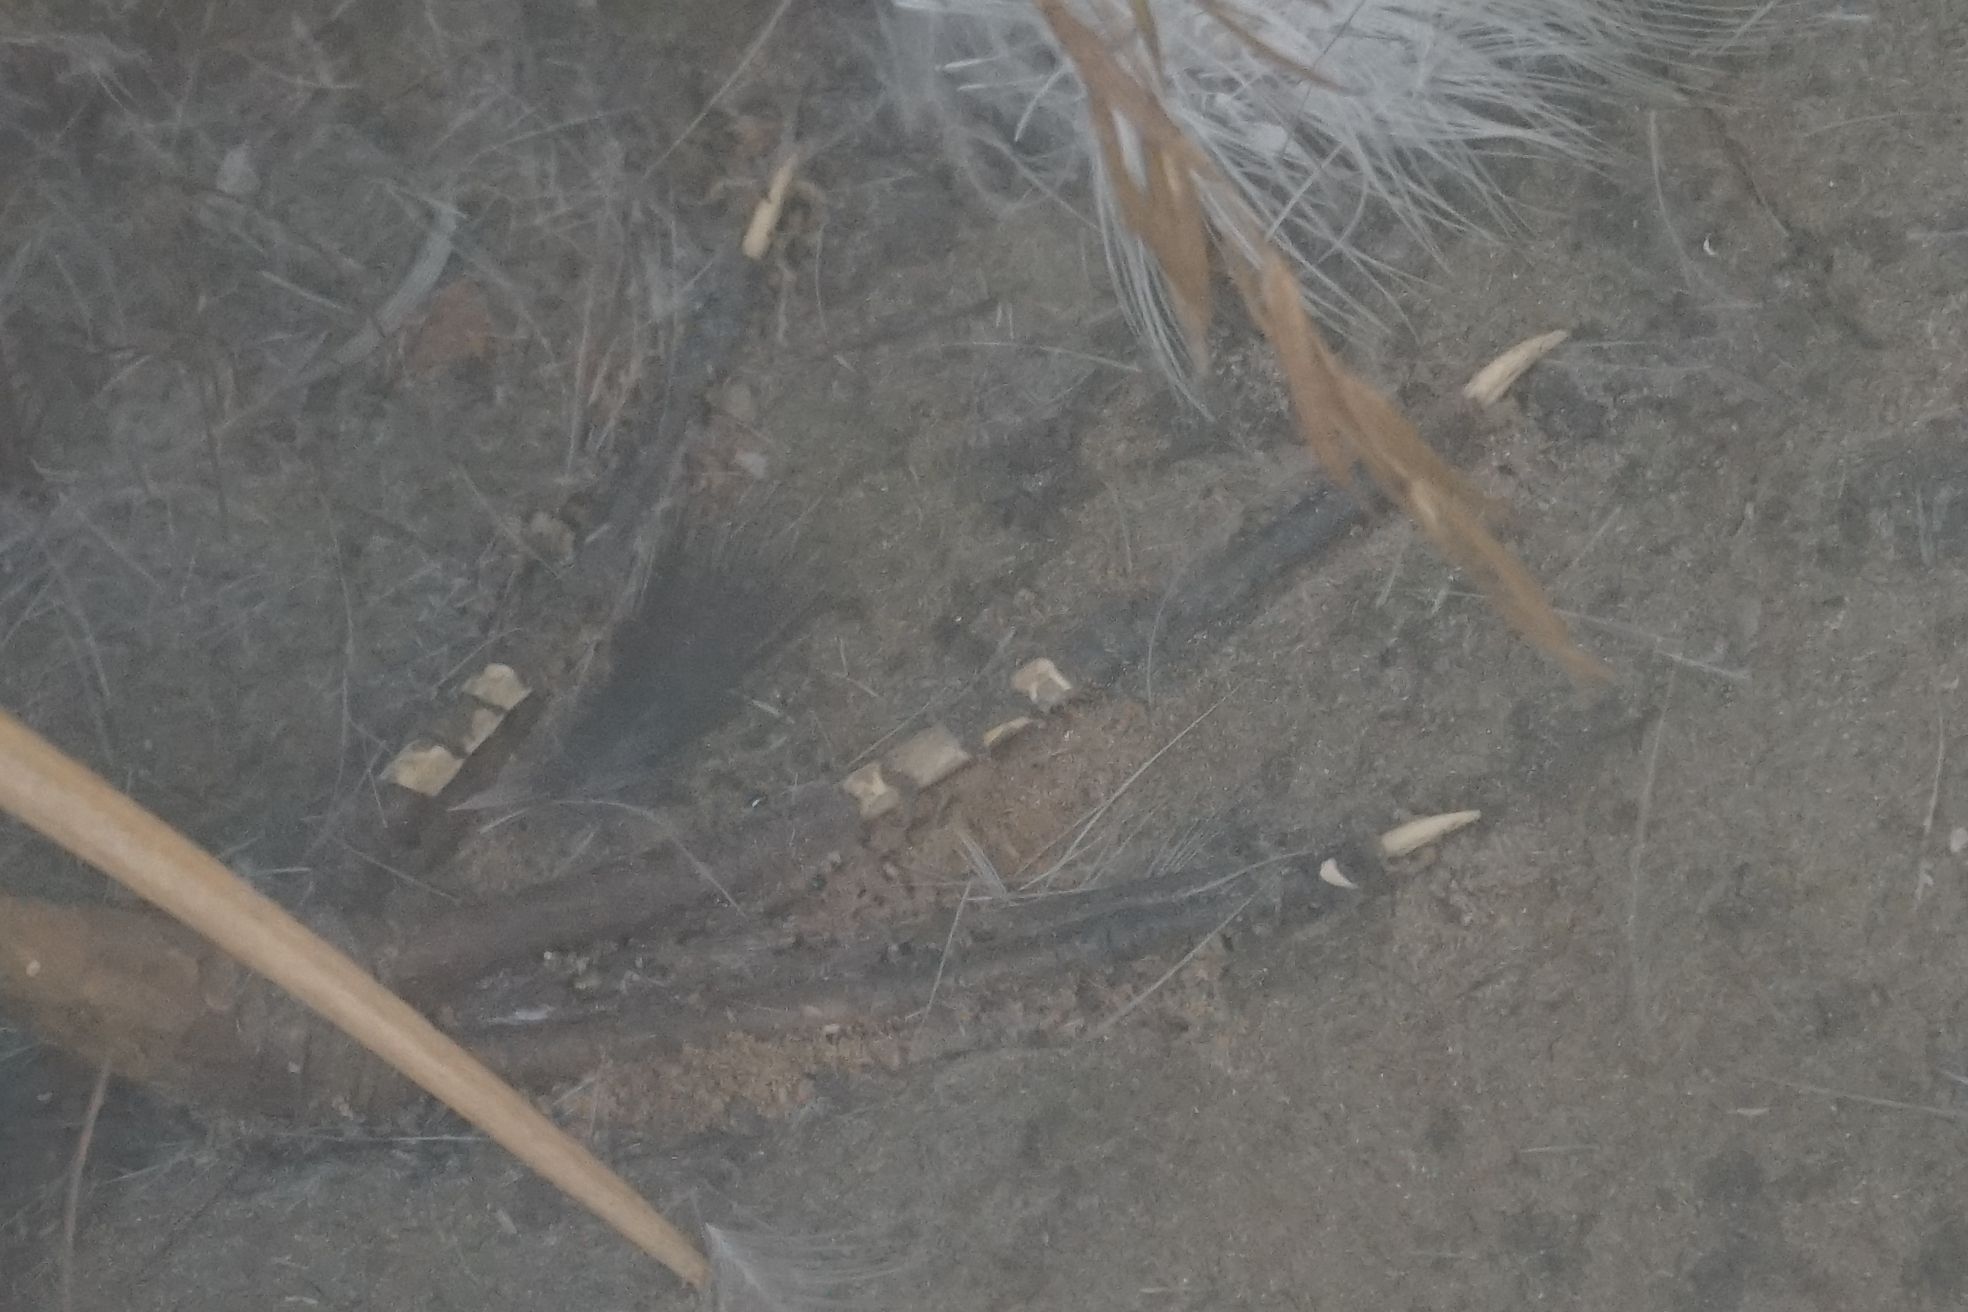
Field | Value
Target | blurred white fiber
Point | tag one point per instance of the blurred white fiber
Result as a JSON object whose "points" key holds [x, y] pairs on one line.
{"points": [[766, 1271]]}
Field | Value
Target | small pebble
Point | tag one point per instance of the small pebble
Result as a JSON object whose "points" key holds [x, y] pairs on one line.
{"points": [[737, 402], [237, 176]]}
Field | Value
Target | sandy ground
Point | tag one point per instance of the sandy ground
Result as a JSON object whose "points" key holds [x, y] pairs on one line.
{"points": [[1681, 1024]]}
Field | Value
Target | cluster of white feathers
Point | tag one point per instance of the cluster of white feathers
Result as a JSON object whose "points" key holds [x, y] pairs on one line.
{"points": [[1322, 113]]}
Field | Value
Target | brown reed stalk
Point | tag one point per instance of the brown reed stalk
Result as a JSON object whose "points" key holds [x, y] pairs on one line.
{"points": [[1175, 200]]}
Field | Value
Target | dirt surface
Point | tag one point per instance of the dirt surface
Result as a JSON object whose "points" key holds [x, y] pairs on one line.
{"points": [[1681, 1024]]}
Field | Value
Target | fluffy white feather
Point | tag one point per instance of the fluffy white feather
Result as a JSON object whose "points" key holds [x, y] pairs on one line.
{"points": [[1322, 112], [767, 1271]]}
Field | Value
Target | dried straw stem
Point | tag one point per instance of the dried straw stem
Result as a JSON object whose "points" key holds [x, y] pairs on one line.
{"points": [[76, 808]]}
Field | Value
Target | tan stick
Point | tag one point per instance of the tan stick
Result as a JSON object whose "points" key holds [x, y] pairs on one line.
{"points": [[75, 807]]}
